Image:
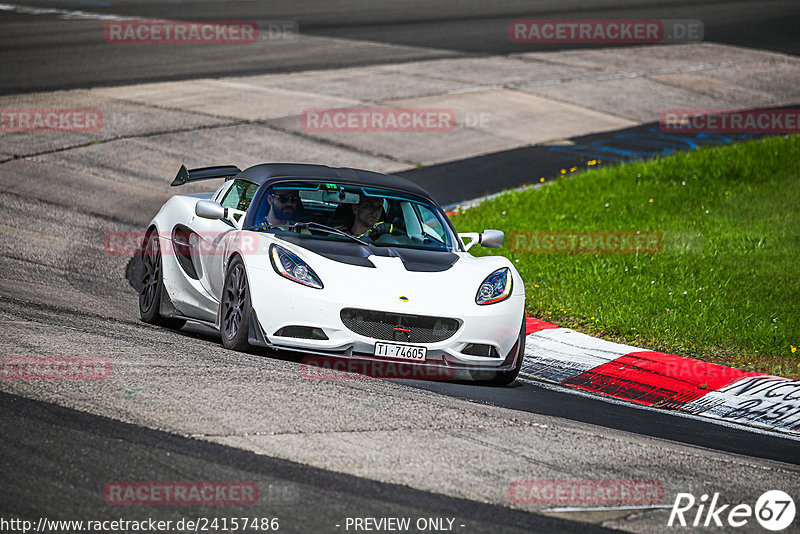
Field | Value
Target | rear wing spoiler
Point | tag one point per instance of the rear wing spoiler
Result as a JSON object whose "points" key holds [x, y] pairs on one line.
{"points": [[206, 173]]}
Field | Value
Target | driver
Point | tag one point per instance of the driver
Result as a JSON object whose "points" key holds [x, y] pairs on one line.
{"points": [[284, 206]]}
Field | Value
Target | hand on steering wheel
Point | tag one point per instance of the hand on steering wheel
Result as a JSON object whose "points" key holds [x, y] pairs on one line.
{"points": [[382, 228]]}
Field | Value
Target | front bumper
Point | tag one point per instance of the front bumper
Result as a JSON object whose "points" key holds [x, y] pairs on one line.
{"points": [[279, 303]]}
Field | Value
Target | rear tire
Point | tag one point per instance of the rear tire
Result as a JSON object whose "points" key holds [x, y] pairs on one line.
{"points": [[235, 308], [152, 285], [504, 378]]}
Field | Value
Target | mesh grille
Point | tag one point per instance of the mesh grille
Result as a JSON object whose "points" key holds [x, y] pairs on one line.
{"points": [[399, 326]]}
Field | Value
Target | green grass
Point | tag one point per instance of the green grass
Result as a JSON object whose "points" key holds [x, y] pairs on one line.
{"points": [[724, 288]]}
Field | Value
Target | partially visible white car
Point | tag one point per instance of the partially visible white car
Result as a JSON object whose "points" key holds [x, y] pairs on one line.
{"points": [[407, 290]]}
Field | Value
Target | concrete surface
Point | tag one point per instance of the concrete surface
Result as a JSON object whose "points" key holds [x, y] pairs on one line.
{"points": [[500, 103]]}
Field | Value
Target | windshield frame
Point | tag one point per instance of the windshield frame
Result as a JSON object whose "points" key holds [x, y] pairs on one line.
{"points": [[256, 211]]}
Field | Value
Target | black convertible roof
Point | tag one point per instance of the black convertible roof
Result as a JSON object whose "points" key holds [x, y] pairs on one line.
{"points": [[268, 173]]}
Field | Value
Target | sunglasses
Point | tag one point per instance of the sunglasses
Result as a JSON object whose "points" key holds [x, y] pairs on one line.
{"points": [[285, 199]]}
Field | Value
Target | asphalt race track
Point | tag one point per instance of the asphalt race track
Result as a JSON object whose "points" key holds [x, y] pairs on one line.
{"points": [[43, 51], [179, 407], [321, 498]]}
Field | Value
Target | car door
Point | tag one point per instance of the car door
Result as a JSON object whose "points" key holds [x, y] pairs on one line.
{"points": [[211, 234]]}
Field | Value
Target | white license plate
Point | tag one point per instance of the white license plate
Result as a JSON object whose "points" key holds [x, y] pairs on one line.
{"points": [[405, 352]]}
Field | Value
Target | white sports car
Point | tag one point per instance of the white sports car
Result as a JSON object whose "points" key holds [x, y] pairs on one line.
{"points": [[333, 262]]}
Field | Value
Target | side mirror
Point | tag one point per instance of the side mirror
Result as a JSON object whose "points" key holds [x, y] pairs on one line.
{"points": [[492, 238], [208, 209]]}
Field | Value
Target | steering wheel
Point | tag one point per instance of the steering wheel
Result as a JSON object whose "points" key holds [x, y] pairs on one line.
{"points": [[382, 229]]}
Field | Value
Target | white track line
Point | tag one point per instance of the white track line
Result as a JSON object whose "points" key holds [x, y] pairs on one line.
{"points": [[607, 508], [66, 14]]}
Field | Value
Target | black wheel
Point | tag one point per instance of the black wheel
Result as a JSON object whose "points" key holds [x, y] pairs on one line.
{"points": [[152, 285], [504, 378], [235, 310]]}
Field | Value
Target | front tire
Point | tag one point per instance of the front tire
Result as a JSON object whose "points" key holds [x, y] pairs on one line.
{"points": [[235, 308], [152, 286]]}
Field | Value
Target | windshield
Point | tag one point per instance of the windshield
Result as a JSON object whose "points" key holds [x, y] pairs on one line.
{"points": [[338, 212]]}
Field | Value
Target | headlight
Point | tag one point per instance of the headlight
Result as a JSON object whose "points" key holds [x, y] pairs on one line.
{"points": [[290, 266], [495, 288]]}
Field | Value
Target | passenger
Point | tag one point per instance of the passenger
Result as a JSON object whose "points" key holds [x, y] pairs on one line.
{"points": [[367, 219], [367, 214]]}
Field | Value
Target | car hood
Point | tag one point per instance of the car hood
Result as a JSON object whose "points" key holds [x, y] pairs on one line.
{"points": [[391, 278]]}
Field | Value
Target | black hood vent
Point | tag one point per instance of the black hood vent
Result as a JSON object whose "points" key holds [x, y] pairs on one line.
{"points": [[352, 253]]}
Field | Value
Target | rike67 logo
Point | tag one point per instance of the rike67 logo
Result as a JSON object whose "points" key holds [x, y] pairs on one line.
{"points": [[774, 510]]}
